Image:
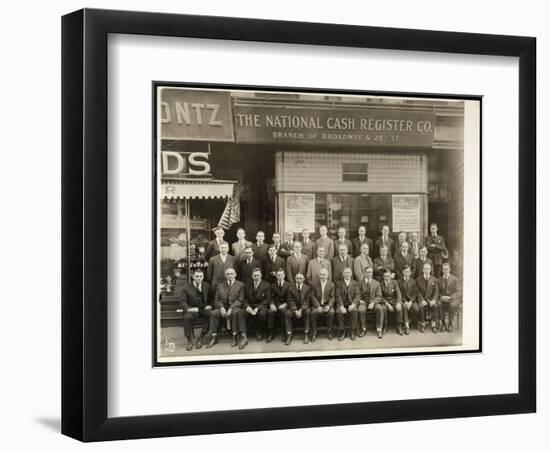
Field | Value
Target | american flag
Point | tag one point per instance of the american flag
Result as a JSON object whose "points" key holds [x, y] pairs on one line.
{"points": [[231, 213]]}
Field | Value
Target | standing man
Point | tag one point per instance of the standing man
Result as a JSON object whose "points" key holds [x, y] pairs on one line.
{"points": [[435, 245], [383, 263], [449, 297], [391, 294], [196, 302], [296, 263], [315, 266], [421, 260], [348, 295], [259, 305], [213, 247], [414, 245], [340, 262], [325, 242], [322, 301], [260, 247], [247, 265], [402, 259], [357, 243], [280, 291], [361, 263], [402, 237], [276, 241], [371, 298], [342, 240], [239, 246], [273, 264], [230, 300], [407, 285], [428, 296], [384, 240], [298, 305], [288, 246], [218, 264], [308, 246]]}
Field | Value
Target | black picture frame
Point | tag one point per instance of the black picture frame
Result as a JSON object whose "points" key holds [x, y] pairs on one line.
{"points": [[84, 224]]}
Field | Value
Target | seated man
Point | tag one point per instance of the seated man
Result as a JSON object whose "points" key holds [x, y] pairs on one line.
{"points": [[196, 302], [322, 301], [407, 285], [371, 298], [392, 299], [428, 296], [259, 305], [229, 300], [449, 297], [279, 291], [347, 302], [297, 305]]}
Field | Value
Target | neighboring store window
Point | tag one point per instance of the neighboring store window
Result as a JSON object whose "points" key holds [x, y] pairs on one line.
{"points": [[355, 172]]}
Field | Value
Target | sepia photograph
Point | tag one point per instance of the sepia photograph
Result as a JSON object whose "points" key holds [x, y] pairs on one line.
{"points": [[296, 224]]}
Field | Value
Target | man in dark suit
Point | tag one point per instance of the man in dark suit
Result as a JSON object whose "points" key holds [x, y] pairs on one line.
{"points": [[342, 239], [371, 298], [421, 260], [340, 262], [196, 302], [218, 264], [229, 299], [325, 242], [401, 237], [287, 247], [279, 293], [259, 305], [449, 297], [391, 295], [297, 305], [383, 263], [386, 240], [308, 246], [247, 265], [272, 264], [322, 301], [260, 247], [428, 296], [347, 302], [435, 245], [361, 239], [296, 263], [213, 247], [407, 285], [415, 246], [276, 238], [402, 259]]}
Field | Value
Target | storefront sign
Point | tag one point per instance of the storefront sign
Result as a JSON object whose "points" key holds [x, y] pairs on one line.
{"points": [[176, 164], [299, 212], [195, 115], [359, 126], [405, 213]]}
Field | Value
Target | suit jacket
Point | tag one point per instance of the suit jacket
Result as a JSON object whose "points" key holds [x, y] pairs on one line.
{"points": [[260, 252], [314, 267], [271, 267], [356, 246], [298, 299], [216, 269], [257, 297], [401, 261], [317, 298], [328, 245], [285, 249], [338, 267], [359, 266], [237, 248], [381, 265], [190, 296], [427, 289], [435, 246], [389, 243], [408, 290], [371, 293], [279, 294], [309, 249], [419, 266], [294, 266], [212, 249], [450, 288], [346, 242], [347, 295], [245, 269], [412, 249], [397, 249], [391, 293], [229, 297]]}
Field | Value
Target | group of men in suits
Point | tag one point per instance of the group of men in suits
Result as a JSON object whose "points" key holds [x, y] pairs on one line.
{"points": [[330, 279]]}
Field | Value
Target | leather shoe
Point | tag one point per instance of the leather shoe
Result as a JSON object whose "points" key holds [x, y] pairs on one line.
{"points": [[288, 339], [399, 330], [353, 336], [269, 338], [198, 345], [407, 331], [379, 333], [342, 336], [434, 330], [189, 345], [243, 343], [313, 337], [422, 328], [234, 342], [330, 336], [450, 328], [212, 342], [362, 332], [259, 336], [306, 338]]}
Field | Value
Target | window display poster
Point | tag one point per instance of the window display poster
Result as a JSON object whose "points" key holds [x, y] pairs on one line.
{"points": [[405, 213], [299, 212]]}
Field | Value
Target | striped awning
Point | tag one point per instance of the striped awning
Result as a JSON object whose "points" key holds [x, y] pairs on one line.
{"points": [[196, 189]]}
